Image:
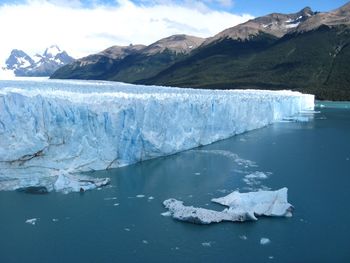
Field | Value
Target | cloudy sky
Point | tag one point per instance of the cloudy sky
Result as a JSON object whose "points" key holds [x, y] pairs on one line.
{"points": [[84, 27]]}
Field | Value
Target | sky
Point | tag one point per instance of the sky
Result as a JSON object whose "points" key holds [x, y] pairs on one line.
{"points": [[83, 27]]}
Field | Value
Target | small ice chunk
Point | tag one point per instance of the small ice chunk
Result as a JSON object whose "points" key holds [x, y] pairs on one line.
{"points": [[256, 175], [264, 241], [127, 229], [116, 204], [206, 244], [145, 242], [150, 198], [140, 196], [67, 183], [167, 213], [32, 221], [197, 173], [55, 220], [243, 237], [271, 257], [110, 198]]}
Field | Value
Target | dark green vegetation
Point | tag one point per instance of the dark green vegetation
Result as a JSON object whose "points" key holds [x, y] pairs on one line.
{"points": [[132, 68], [317, 62]]}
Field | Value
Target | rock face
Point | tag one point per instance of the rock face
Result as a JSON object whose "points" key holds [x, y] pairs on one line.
{"points": [[274, 24], [340, 16], [241, 207], [38, 66], [180, 44], [54, 128]]}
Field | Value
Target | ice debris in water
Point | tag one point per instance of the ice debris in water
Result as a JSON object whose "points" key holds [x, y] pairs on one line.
{"points": [[48, 128], [32, 221], [230, 155], [206, 244], [264, 241], [241, 207]]}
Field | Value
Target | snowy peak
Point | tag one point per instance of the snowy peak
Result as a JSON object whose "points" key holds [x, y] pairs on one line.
{"points": [[40, 65], [340, 16], [52, 51], [274, 24], [18, 60], [56, 55]]}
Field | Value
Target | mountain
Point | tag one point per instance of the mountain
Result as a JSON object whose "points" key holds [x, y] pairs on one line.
{"points": [[312, 56], [275, 24], [131, 63], [306, 51], [18, 61], [40, 65]]}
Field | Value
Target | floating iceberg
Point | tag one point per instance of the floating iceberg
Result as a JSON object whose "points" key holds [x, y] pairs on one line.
{"points": [[54, 127], [241, 207], [260, 203]]}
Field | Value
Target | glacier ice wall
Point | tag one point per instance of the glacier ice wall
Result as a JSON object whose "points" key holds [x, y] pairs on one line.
{"points": [[52, 127]]}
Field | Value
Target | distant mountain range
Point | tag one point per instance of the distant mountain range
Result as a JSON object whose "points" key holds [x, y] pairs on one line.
{"points": [[40, 65], [306, 51]]}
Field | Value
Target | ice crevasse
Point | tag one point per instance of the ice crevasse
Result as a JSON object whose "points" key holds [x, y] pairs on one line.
{"points": [[50, 129]]}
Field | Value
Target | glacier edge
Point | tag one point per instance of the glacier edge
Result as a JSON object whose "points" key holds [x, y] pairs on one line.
{"points": [[50, 128]]}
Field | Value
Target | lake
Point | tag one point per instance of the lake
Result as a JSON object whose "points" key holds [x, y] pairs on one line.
{"points": [[123, 222]]}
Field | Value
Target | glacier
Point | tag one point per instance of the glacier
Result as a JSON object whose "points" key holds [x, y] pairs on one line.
{"points": [[241, 207], [52, 130]]}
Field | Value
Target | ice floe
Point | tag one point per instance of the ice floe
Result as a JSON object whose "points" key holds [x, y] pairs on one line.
{"points": [[241, 207]]}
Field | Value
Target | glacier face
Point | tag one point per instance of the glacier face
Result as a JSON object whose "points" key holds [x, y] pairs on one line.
{"points": [[54, 127]]}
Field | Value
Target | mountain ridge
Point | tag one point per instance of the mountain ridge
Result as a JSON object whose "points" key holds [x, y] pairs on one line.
{"points": [[131, 63], [40, 65], [305, 51]]}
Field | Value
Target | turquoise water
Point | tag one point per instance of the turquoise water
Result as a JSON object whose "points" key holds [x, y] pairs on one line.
{"points": [[114, 225]]}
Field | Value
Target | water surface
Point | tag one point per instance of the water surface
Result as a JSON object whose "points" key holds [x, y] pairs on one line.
{"points": [[123, 222]]}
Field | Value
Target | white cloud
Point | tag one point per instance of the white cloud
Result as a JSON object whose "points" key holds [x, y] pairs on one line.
{"points": [[81, 31]]}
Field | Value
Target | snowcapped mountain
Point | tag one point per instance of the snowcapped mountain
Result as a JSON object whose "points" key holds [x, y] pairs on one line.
{"points": [[18, 61], [274, 24], [40, 65]]}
